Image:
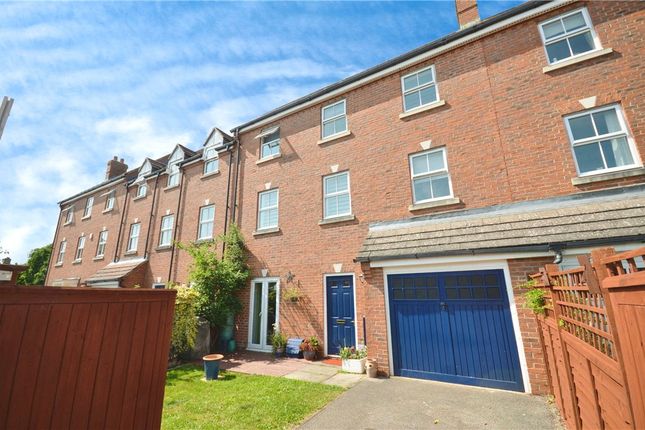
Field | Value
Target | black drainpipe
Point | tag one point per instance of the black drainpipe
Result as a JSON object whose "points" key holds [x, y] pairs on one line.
{"points": [[228, 194], [152, 211], [176, 225], [118, 238]]}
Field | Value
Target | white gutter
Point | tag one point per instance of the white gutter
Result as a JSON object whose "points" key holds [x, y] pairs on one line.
{"points": [[414, 60]]}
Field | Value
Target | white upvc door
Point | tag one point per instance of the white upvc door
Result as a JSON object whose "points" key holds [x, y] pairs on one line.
{"points": [[263, 312]]}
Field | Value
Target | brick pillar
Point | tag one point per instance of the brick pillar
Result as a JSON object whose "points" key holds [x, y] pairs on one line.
{"points": [[467, 13]]}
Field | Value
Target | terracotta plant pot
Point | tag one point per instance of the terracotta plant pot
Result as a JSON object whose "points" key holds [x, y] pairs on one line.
{"points": [[372, 369]]}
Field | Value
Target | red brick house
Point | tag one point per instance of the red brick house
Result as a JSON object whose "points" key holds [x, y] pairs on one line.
{"points": [[403, 207]]}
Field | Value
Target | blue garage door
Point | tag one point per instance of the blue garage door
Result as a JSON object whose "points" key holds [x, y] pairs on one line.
{"points": [[454, 327]]}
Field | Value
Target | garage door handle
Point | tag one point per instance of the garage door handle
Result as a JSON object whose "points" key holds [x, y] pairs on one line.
{"points": [[444, 306]]}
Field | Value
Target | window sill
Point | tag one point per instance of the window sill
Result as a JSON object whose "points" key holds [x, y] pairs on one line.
{"points": [[337, 219], [204, 240], [86, 217], [58, 265], [334, 137], [140, 197], [584, 57], [425, 108], [435, 204], [67, 223], [102, 257], [107, 210], [77, 261], [172, 187], [163, 248], [582, 180], [209, 174], [130, 252], [267, 159], [266, 231]]}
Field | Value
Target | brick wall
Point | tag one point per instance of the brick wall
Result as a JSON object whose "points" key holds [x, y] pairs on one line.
{"points": [[519, 270]]}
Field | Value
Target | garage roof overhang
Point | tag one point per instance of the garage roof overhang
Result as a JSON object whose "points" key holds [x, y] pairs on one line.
{"points": [[580, 220]]}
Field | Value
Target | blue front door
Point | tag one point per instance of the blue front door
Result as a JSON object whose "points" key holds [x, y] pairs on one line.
{"points": [[454, 327], [340, 313]]}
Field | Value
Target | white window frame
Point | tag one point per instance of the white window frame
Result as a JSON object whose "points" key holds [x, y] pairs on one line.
{"points": [[165, 229], [101, 243], [276, 207], [69, 216], [323, 121], [158, 286], [87, 212], [80, 247], [143, 187], [133, 239], [203, 222], [335, 194], [441, 172], [418, 88], [270, 143], [61, 251], [624, 132], [209, 161], [587, 18], [109, 201], [174, 175]]}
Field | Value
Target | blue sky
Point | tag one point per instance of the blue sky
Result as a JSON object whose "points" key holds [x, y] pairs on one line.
{"points": [[94, 80]]}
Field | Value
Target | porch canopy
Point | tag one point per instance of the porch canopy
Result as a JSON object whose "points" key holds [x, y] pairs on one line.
{"points": [[114, 272], [578, 220]]}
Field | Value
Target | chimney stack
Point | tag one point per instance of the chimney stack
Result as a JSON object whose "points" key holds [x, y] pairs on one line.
{"points": [[115, 167], [467, 13]]}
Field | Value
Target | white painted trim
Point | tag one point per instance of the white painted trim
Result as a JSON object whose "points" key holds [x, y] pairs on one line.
{"points": [[498, 264], [430, 174], [587, 18], [457, 259], [334, 118], [262, 347], [419, 88], [412, 61], [325, 276], [325, 195], [624, 132]]}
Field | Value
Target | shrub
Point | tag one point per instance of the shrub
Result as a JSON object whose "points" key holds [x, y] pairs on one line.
{"points": [[352, 353], [184, 323], [535, 300]]}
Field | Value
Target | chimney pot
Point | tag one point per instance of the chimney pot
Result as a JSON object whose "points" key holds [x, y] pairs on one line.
{"points": [[467, 13]]}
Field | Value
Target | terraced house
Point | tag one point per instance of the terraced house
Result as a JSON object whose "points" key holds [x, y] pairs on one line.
{"points": [[404, 206]]}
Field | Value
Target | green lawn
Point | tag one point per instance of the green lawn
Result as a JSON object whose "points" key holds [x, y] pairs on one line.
{"points": [[239, 401]]}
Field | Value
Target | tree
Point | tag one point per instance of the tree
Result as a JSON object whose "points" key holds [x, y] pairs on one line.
{"points": [[217, 280], [184, 323], [36, 266]]}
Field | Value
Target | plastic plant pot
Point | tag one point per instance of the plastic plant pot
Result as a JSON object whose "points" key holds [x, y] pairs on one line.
{"points": [[211, 366]]}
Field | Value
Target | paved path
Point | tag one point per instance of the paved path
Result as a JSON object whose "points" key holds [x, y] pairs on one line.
{"points": [[402, 403], [292, 368]]}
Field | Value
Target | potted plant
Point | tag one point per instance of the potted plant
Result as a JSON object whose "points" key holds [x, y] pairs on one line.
{"points": [[292, 294], [353, 359], [310, 348], [278, 342]]}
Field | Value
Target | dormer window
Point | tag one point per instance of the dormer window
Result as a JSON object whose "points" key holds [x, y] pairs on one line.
{"points": [[211, 160], [174, 173]]}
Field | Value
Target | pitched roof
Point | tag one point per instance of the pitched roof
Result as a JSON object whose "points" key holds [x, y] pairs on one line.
{"points": [[582, 219], [115, 271]]}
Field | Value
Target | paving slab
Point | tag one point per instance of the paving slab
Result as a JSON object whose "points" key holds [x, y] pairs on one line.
{"points": [[403, 403], [321, 369], [345, 380], [307, 376]]}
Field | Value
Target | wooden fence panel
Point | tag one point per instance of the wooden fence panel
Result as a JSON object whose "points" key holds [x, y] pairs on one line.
{"points": [[593, 333], [83, 358]]}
